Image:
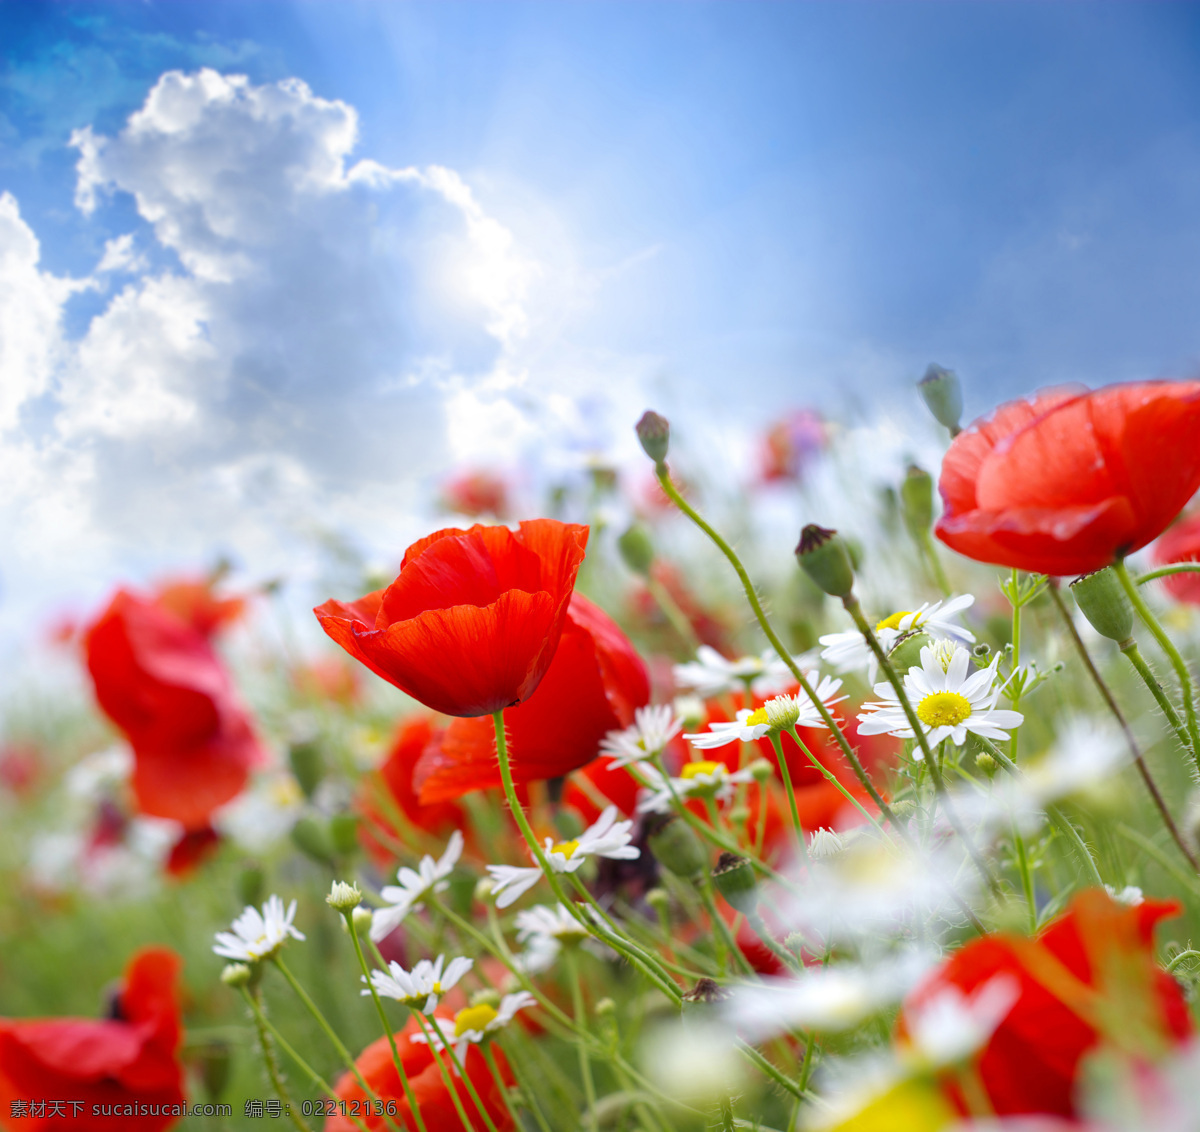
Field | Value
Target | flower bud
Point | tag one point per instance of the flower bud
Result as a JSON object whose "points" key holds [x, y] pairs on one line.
{"points": [[488, 996], [236, 975], [942, 393], [637, 551], [343, 833], [654, 432], [312, 839], [251, 884], [361, 919], [1105, 604], [703, 998], [735, 880], [916, 494], [308, 765], [906, 652], [677, 848], [986, 763], [343, 897], [483, 889], [658, 899], [762, 769], [824, 558]]}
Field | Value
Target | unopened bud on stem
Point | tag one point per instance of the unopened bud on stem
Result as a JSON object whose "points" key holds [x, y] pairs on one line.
{"points": [[942, 393], [636, 549], [916, 493], [734, 879], [1105, 604], [823, 557], [654, 432]]}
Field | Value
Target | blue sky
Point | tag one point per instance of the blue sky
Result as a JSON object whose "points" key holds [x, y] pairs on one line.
{"points": [[724, 209]]}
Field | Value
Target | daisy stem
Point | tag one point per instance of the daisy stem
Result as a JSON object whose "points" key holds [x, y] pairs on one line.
{"points": [[918, 729], [468, 1125], [833, 778], [758, 924], [1168, 646], [1014, 739], [1135, 750], [786, 775], [1130, 649], [585, 1061], [321, 1021], [387, 1028], [635, 955], [851, 756], [494, 1069], [780, 1078], [265, 1032]]}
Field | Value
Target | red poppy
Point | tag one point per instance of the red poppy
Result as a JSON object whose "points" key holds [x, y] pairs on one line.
{"points": [[789, 445], [594, 685], [159, 680], [334, 678], [194, 600], [471, 624], [191, 850], [1181, 543], [428, 1087], [1069, 482], [385, 818], [123, 1071], [476, 493], [1091, 973]]}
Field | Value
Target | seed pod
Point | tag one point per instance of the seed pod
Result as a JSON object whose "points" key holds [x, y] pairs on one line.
{"points": [[941, 391], [735, 880], [654, 433], [1105, 604], [824, 558]]}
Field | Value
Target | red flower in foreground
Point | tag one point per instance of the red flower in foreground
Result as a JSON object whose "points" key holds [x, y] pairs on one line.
{"points": [[1091, 974], [130, 1059], [593, 686], [471, 624], [1068, 482], [1181, 544], [159, 680], [428, 1087]]}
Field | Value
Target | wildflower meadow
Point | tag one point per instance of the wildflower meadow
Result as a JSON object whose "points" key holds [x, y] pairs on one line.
{"points": [[602, 818]]}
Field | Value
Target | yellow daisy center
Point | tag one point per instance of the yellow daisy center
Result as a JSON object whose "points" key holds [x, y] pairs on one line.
{"points": [[893, 622], [705, 766], [757, 717], [437, 988], [943, 709], [566, 848], [474, 1018]]}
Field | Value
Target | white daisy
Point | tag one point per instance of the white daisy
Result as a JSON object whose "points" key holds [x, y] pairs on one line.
{"points": [[429, 876], [825, 843], [420, 988], [545, 931], [474, 1024], [258, 935], [950, 1026], [849, 652], [1130, 895], [653, 728], [697, 778], [711, 674], [776, 714], [948, 698], [606, 837]]}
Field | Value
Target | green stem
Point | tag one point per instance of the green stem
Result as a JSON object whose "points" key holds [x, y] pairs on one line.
{"points": [[851, 756], [1147, 846], [939, 574], [264, 1029], [527, 1094], [670, 607], [446, 1080], [1126, 730], [330, 1033], [1130, 649], [1014, 739], [1168, 646], [1175, 568], [585, 1061], [488, 1056], [780, 1079], [777, 949], [918, 730], [387, 1027], [786, 774], [832, 778]]}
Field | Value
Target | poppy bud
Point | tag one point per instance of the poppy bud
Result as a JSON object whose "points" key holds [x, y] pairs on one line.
{"points": [[654, 433], [824, 558], [735, 880], [312, 839], [916, 494], [906, 652], [703, 999], [343, 833], [677, 848], [1104, 603], [636, 549], [251, 883], [307, 765], [942, 393]]}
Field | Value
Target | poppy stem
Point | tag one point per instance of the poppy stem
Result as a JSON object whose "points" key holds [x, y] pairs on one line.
{"points": [[851, 756], [531, 1104], [1130, 649], [1174, 568], [939, 784], [387, 1028], [1127, 731], [786, 775], [1168, 646], [585, 1061]]}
